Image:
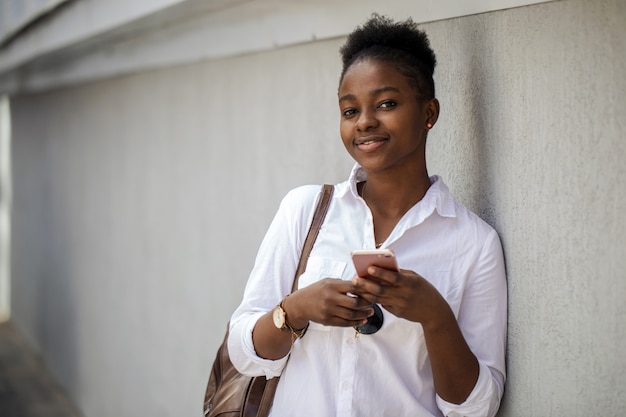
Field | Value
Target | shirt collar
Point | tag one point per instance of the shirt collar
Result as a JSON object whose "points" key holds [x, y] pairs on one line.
{"points": [[437, 197]]}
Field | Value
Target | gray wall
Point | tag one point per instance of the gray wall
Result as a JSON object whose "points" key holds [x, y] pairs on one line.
{"points": [[139, 202]]}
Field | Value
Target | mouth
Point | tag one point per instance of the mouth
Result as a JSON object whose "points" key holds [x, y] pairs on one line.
{"points": [[370, 143]]}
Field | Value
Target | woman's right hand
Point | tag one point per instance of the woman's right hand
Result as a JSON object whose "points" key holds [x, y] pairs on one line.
{"points": [[330, 302]]}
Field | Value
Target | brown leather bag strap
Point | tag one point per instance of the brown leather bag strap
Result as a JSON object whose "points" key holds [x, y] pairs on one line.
{"points": [[316, 224]]}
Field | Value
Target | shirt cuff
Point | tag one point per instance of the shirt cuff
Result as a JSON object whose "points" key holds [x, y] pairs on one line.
{"points": [[480, 400], [249, 362]]}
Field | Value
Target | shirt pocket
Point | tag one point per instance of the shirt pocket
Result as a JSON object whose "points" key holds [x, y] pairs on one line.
{"points": [[318, 268]]}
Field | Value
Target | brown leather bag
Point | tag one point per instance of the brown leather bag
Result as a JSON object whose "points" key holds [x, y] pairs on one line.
{"points": [[230, 394]]}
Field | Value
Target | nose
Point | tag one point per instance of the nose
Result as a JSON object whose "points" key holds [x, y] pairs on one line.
{"points": [[366, 121]]}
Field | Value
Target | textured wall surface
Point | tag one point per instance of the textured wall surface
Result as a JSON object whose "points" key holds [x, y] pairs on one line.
{"points": [[532, 138], [139, 203]]}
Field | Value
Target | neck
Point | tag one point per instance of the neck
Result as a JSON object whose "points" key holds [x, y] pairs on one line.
{"points": [[390, 197]]}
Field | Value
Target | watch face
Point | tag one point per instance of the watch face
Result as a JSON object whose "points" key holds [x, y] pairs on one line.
{"points": [[279, 318]]}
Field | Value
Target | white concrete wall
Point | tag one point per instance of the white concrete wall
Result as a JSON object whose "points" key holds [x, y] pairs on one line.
{"points": [[139, 202], [531, 137], [94, 39]]}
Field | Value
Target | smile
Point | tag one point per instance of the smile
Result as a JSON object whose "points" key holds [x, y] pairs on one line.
{"points": [[369, 144]]}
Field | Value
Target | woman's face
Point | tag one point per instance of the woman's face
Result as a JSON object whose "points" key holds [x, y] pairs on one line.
{"points": [[383, 123]]}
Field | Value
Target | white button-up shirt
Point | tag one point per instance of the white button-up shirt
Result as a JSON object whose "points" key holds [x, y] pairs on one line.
{"points": [[329, 372]]}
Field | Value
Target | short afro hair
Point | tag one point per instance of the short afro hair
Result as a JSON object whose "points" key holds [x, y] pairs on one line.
{"points": [[399, 43]]}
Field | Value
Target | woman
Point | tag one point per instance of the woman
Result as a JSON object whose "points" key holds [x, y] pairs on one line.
{"points": [[440, 350]]}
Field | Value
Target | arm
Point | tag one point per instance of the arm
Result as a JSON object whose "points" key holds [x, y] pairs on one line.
{"points": [[455, 368], [270, 280], [482, 318], [410, 296], [256, 346], [466, 351]]}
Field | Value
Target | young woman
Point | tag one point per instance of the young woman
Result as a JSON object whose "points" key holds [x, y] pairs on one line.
{"points": [[441, 347]]}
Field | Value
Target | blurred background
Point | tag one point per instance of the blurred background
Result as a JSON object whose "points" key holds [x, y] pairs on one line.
{"points": [[145, 146]]}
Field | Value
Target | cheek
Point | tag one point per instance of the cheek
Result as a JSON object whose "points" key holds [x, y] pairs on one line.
{"points": [[410, 123], [345, 131]]}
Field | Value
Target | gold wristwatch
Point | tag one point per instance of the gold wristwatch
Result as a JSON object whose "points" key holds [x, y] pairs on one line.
{"points": [[280, 321]]}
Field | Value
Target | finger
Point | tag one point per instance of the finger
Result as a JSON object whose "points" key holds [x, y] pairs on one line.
{"points": [[384, 276], [353, 301], [367, 287], [350, 317], [376, 293], [352, 314], [344, 317], [339, 322], [369, 298], [346, 287]]}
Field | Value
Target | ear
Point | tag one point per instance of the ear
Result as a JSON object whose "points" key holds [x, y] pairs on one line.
{"points": [[432, 111]]}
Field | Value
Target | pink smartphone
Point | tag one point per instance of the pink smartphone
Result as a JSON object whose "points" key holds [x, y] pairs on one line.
{"points": [[362, 259]]}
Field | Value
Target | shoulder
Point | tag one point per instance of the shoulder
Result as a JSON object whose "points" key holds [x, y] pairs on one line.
{"points": [[478, 243], [472, 219], [468, 223], [302, 196], [303, 192], [476, 230], [300, 202]]}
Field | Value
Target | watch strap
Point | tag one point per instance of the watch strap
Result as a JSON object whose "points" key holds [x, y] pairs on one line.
{"points": [[295, 333]]}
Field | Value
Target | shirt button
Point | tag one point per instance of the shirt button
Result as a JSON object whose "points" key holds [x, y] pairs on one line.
{"points": [[345, 386], [350, 340]]}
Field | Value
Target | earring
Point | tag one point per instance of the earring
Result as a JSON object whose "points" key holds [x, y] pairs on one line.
{"points": [[429, 125]]}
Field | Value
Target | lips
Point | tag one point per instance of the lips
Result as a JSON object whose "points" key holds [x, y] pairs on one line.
{"points": [[370, 143]]}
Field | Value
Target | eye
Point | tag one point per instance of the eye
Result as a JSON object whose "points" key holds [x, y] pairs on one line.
{"points": [[348, 112], [387, 104]]}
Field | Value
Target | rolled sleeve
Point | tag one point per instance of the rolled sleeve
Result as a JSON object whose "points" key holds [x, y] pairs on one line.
{"points": [[483, 401], [271, 280], [242, 352]]}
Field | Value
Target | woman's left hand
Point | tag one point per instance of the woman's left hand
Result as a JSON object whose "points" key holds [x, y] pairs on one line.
{"points": [[410, 296], [403, 293]]}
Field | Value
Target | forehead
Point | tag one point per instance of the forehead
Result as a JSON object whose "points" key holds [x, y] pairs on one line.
{"points": [[370, 72]]}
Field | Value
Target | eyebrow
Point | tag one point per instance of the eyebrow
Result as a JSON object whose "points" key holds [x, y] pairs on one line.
{"points": [[372, 93]]}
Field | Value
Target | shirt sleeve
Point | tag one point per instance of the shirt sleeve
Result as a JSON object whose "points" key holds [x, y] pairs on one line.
{"points": [[479, 402], [271, 280], [483, 321]]}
